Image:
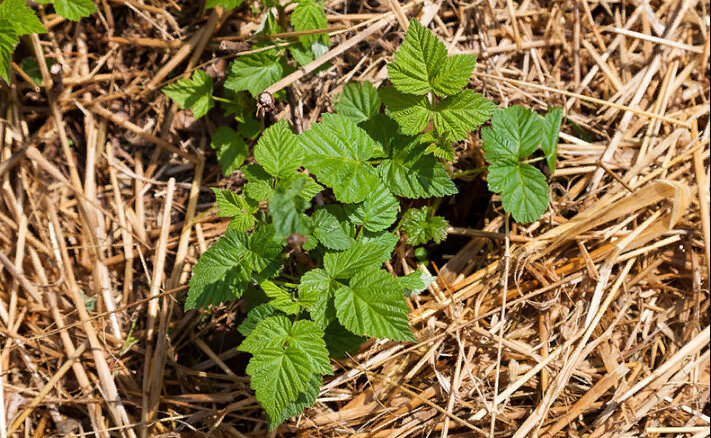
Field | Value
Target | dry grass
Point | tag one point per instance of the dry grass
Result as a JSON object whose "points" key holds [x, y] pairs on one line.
{"points": [[592, 321]]}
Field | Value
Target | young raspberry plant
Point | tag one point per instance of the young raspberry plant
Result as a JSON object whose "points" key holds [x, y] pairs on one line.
{"points": [[321, 212]]}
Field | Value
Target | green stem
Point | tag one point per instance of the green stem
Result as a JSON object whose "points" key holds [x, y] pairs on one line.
{"points": [[221, 99], [533, 160]]}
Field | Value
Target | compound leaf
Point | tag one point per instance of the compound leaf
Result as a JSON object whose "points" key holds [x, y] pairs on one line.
{"points": [[358, 102], [373, 304], [310, 188], [264, 251], [194, 94], [31, 67], [523, 189], [337, 151]]}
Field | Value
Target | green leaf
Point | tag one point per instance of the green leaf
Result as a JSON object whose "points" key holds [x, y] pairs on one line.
{"points": [[264, 254], [385, 240], [22, 18], [231, 204], [231, 149], [239, 104], [309, 15], [287, 208], [250, 127], [377, 212], [421, 226], [337, 151], [440, 147], [74, 9], [515, 133], [227, 4], [238, 207], [310, 187], [410, 111], [254, 316], [31, 67], [421, 65], [223, 271], [341, 342], [328, 230], [278, 150], [412, 173], [280, 299], [254, 72], [359, 257], [303, 401], [219, 274], [8, 41], [358, 102], [260, 185], [384, 130], [551, 133], [456, 116], [194, 94], [416, 282], [305, 56], [269, 23], [316, 292], [285, 357], [523, 189], [417, 61], [453, 75], [373, 304]]}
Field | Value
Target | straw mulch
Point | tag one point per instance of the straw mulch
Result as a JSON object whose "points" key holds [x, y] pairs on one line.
{"points": [[592, 321]]}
